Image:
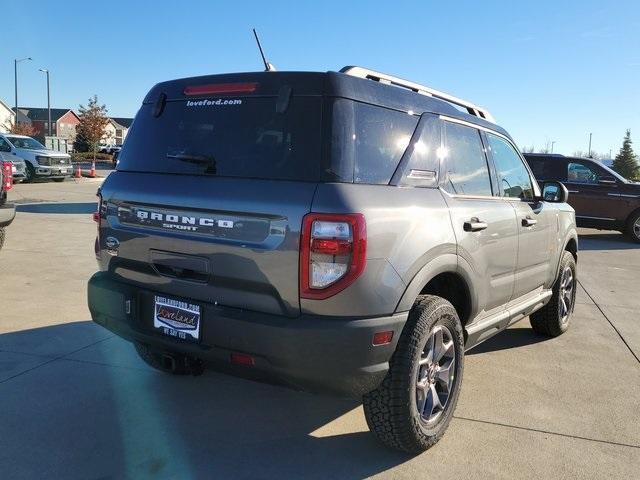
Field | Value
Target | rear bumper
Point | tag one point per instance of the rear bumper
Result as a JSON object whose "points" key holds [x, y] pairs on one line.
{"points": [[326, 354], [7, 214]]}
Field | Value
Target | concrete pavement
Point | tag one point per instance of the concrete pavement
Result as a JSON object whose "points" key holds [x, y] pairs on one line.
{"points": [[76, 402]]}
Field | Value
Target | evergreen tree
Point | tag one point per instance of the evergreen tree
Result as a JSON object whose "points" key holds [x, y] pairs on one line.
{"points": [[626, 162]]}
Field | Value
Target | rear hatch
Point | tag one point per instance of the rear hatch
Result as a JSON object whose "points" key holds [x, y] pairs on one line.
{"points": [[211, 187]]}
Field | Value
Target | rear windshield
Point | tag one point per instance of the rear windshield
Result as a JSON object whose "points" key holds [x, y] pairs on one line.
{"points": [[230, 137], [248, 137]]}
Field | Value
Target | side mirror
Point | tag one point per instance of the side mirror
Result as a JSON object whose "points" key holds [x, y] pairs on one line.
{"points": [[554, 192]]}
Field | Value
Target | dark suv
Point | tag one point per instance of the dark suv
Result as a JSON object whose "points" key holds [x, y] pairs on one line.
{"points": [[600, 196], [348, 232]]}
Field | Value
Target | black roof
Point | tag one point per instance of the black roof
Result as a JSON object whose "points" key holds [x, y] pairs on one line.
{"points": [[41, 114], [558, 156], [124, 121], [334, 84]]}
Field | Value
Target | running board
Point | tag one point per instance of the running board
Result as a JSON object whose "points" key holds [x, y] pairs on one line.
{"points": [[488, 327]]}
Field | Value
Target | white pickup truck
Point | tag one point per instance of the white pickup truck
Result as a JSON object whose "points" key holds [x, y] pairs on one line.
{"points": [[40, 161]]}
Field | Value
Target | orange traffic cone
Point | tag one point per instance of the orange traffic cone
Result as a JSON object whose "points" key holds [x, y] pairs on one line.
{"points": [[92, 172], [78, 172]]}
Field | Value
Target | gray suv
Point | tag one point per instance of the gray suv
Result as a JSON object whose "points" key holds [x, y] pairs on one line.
{"points": [[346, 232]]}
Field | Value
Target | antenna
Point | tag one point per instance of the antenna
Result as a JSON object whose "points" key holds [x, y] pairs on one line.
{"points": [[267, 66]]}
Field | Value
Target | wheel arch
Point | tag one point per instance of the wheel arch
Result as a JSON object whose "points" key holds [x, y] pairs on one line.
{"points": [[442, 277], [630, 217], [571, 245]]}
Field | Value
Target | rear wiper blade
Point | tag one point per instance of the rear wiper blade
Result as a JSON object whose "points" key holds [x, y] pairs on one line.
{"points": [[183, 157], [208, 162]]}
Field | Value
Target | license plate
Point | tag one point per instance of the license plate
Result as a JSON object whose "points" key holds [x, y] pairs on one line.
{"points": [[63, 171], [176, 318], [13, 168]]}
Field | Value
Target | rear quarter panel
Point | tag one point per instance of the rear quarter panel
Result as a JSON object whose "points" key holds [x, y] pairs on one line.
{"points": [[407, 228]]}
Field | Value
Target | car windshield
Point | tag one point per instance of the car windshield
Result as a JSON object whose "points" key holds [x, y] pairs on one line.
{"points": [[26, 142]]}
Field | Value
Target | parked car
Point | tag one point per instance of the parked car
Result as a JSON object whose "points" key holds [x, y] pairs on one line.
{"points": [[7, 210], [347, 232], [18, 166], [601, 197], [41, 162]]}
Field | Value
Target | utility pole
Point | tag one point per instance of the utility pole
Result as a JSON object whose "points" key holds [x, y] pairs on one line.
{"points": [[44, 70], [15, 77], [589, 154]]}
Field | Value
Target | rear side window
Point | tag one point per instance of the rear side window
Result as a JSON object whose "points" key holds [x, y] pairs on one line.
{"points": [[231, 137], [580, 173], [512, 173], [466, 169], [381, 137]]}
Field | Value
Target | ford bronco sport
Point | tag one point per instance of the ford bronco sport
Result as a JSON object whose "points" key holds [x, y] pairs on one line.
{"points": [[345, 232]]}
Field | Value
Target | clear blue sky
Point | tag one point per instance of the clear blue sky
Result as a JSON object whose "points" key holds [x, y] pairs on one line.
{"points": [[547, 70]]}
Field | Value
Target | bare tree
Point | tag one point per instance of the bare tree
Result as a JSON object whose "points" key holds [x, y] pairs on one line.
{"points": [[530, 149], [546, 148]]}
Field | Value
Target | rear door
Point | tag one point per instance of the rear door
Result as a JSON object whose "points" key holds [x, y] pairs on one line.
{"points": [[208, 197], [484, 223], [536, 221]]}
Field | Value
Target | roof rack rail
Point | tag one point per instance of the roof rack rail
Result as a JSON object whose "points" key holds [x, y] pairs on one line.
{"points": [[415, 87]]}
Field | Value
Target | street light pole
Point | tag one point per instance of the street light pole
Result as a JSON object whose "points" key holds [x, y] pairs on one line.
{"points": [[552, 144], [15, 77], [589, 154], [44, 70]]}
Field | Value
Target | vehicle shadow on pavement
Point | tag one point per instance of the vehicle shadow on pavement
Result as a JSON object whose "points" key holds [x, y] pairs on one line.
{"points": [[606, 241], [508, 339], [100, 412], [58, 208]]}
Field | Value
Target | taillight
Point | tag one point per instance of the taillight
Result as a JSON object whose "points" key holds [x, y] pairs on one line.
{"points": [[7, 175], [221, 89], [333, 250]]}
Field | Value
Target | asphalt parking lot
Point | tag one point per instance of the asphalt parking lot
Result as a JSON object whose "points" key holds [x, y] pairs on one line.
{"points": [[76, 402]]}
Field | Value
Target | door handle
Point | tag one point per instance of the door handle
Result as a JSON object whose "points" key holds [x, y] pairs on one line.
{"points": [[528, 222], [573, 191], [474, 225]]}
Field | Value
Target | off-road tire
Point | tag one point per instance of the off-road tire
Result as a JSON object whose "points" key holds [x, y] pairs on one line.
{"points": [[183, 365], [548, 320], [391, 410], [631, 230]]}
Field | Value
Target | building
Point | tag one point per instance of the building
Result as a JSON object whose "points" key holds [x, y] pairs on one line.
{"points": [[7, 117], [122, 125], [63, 121]]}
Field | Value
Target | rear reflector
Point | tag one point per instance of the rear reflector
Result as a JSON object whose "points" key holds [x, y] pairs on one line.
{"points": [[220, 89], [382, 338], [242, 359]]}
